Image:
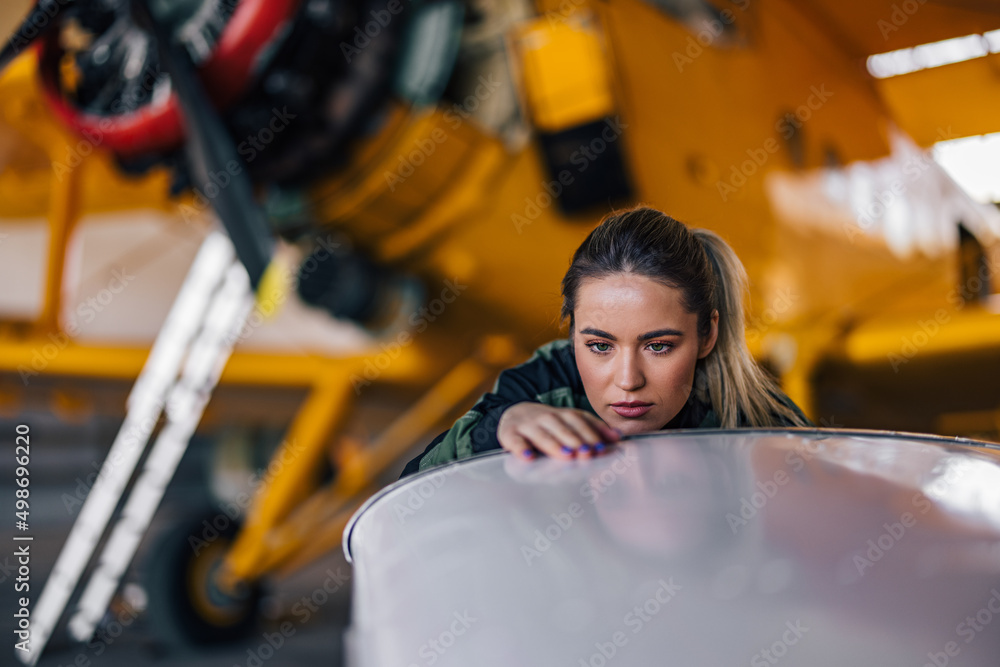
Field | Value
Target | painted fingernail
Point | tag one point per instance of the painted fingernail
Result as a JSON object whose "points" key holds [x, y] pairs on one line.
{"points": [[599, 447], [584, 449], [566, 450], [528, 454]]}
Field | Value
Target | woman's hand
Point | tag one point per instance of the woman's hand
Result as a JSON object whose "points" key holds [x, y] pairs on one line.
{"points": [[525, 429]]}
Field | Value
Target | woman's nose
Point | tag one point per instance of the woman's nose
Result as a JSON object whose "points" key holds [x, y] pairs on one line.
{"points": [[628, 375]]}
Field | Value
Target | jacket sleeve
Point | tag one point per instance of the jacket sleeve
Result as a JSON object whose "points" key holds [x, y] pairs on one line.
{"points": [[549, 376]]}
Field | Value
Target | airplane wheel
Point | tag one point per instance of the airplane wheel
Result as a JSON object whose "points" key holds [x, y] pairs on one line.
{"points": [[185, 604]]}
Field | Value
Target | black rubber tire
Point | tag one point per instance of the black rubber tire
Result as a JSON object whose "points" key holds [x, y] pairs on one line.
{"points": [[185, 606]]}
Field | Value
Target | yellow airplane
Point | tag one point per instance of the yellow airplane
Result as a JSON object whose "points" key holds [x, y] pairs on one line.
{"points": [[419, 173]]}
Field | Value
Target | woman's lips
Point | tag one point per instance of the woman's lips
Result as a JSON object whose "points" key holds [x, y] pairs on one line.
{"points": [[631, 409]]}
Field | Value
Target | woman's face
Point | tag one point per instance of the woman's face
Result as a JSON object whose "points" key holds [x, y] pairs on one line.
{"points": [[636, 348]]}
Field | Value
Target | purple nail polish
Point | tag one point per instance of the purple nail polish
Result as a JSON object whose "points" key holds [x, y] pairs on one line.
{"points": [[528, 454], [584, 449], [599, 447], [566, 450]]}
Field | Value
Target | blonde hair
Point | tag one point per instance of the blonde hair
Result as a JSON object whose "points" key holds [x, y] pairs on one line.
{"points": [[711, 278]]}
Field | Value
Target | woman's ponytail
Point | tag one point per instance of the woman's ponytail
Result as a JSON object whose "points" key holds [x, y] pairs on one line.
{"points": [[729, 377]]}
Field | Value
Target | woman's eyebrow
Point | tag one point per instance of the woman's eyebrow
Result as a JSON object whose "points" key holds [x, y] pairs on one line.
{"points": [[660, 332], [591, 331]]}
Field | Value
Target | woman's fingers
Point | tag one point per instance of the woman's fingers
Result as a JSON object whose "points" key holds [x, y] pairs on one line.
{"points": [[572, 433], [607, 433], [520, 448], [545, 442], [561, 433], [576, 434], [595, 433]]}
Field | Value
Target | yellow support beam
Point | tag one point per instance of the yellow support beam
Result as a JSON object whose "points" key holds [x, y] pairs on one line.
{"points": [[65, 211], [54, 355], [300, 454], [306, 533], [941, 332], [328, 537]]}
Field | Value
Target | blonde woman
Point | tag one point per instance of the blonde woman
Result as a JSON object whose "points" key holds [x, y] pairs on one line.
{"points": [[656, 341]]}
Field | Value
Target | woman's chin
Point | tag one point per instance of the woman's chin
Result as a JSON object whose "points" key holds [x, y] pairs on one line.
{"points": [[631, 426]]}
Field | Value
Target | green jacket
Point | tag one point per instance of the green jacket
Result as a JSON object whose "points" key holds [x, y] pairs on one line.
{"points": [[551, 377]]}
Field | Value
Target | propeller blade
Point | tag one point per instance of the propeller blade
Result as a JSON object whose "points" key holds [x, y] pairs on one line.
{"points": [[209, 150]]}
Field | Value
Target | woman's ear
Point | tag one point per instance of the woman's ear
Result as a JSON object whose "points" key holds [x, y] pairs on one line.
{"points": [[709, 341]]}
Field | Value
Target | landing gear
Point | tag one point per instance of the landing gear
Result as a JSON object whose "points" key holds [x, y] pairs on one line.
{"points": [[186, 605]]}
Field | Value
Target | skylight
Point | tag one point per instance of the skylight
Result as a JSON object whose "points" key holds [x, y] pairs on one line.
{"points": [[974, 163], [935, 54]]}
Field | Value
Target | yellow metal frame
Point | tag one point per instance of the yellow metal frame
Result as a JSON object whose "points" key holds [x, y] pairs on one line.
{"points": [[287, 530]]}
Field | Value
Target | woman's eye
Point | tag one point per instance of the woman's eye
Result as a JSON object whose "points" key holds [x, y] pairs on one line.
{"points": [[600, 347], [659, 347]]}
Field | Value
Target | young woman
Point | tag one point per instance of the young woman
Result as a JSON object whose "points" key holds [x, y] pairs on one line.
{"points": [[656, 341]]}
